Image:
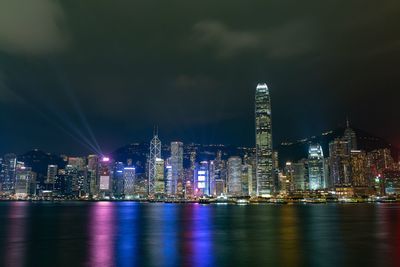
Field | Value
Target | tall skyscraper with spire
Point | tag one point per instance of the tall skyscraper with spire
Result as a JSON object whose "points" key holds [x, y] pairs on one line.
{"points": [[154, 157], [263, 124]]}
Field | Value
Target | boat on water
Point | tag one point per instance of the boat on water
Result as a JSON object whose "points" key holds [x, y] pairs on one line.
{"points": [[242, 201]]}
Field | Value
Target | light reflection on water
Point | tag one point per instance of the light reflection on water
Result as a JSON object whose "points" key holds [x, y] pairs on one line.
{"points": [[151, 234]]}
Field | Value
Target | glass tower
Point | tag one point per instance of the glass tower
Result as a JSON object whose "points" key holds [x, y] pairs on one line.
{"points": [[264, 177], [316, 170]]}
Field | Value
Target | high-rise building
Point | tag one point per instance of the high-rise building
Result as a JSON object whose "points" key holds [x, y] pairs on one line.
{"points": [[169, 187], [202, 179], [263, 124], [129, 182], [92, 168], [159, 185], [350, 136], [7, 174], [316, 169], [105, 174], [247, 177], [177, 167], [300, 175], [234, 176], [51, 176], [339, 157], [23, 181], [359, 168], [155, 153]]}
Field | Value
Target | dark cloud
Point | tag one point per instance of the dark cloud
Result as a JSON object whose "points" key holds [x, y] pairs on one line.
{"points": [[31, 27]]}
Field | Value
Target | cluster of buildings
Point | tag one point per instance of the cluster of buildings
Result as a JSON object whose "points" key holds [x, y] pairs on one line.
{"points": [[343, 170], [346, 171]]}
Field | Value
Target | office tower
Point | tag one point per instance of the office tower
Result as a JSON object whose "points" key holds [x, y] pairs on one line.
{"points": [[177, 167], [78, 162], [104, 176], [264, 173], [300, 175], [92, 168], [339, 157], [350, 136], [234, 183], [7, 175], [380, 160], [289, 172], [202, 179], [51, 176], [169, 187], [247, 176], [159, 185], [129, 177], [316, 169], [23, 181], [155, 153], [359, 167], [391, 182], [118, 179]]}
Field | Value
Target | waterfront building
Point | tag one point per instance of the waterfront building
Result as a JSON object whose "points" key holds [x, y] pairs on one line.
{"points": [[288, 186], [105, 176], [391, 181], [129, 178], [169, 184], [202, 179], [316, 169], [51, 176], [92, 168], [118, 179], [155, 153], [24, 178], [339, 155], [159, 185], [263, 129], [177, 167], [359, 168], [7, 174], [300, 175], [234, 183], [247, 177]]}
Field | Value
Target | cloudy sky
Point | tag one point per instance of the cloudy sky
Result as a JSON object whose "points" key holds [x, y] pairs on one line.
{"points": [[73, 73]]}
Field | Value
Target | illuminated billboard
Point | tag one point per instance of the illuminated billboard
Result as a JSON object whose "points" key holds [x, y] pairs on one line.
{"points": [[201, 185], [104, 182]]}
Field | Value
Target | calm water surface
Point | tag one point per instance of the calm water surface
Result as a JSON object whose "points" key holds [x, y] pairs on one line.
{"points": [[150, 234]]}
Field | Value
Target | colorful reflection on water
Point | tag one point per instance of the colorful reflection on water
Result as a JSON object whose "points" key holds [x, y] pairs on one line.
{"points": [[150, 234]]}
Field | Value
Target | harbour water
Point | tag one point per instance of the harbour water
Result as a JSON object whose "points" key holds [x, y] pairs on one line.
{"points": [[158, 234]]}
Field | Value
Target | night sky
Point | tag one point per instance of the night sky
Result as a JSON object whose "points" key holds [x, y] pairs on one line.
{"points": [[74, 71]]}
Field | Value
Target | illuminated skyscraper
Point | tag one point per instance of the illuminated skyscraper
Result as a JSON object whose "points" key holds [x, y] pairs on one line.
{"points": [[316, 169], [177, 167], [51, 176], [339, 156], [264, 175], [159, 185], [7, 174], [129, 182], [350, 136], [235, 176], [23, 181], [202, 179], [105, 167], [155, 153]]}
